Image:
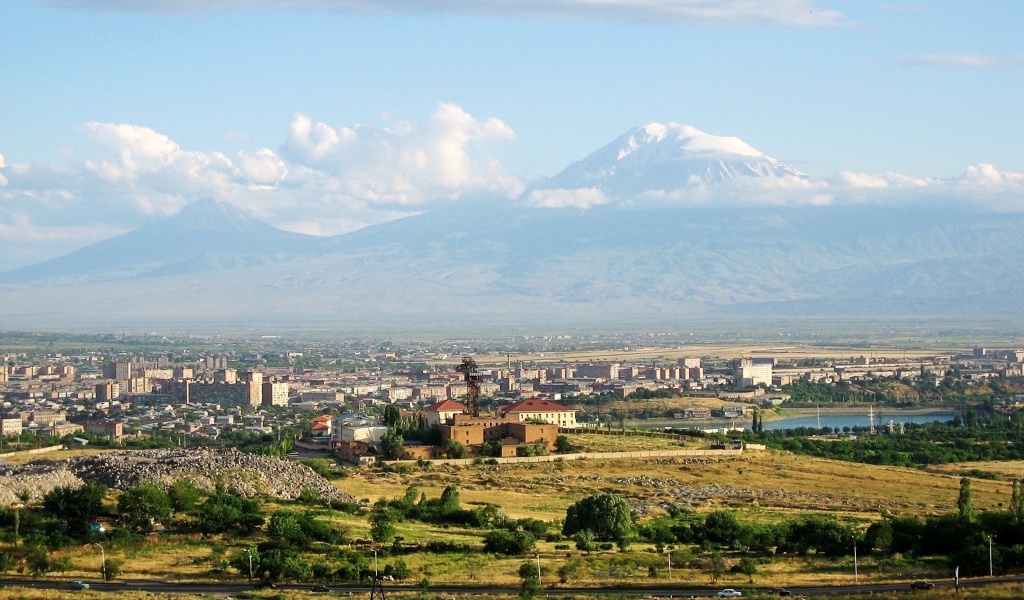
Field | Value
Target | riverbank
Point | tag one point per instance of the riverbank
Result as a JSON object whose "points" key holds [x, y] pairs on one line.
{"points": [[785, 414]]}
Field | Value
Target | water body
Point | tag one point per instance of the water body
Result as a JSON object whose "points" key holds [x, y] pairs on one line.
{"points": [[841, 421]]}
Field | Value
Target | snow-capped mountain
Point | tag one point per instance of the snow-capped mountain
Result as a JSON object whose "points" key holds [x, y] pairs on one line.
{"points": [[502, 264], [666, 157]]}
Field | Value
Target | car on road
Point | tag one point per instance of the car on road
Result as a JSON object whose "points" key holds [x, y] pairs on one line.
{"points": [[922, 585], [78, 585], [320, 588], [265, 585], [782, 592], [730, 593]]}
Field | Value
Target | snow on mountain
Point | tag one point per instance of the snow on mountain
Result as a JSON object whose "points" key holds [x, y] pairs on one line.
{"points": [[667, 156]]}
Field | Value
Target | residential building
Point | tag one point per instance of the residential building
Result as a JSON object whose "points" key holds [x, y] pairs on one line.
{"points": [[112, 429], [275, 393], [538, 409], [752, 372], [10, 426], [443, 411]]}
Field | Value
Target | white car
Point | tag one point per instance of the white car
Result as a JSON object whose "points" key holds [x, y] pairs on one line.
{"points": [[730, 593]]}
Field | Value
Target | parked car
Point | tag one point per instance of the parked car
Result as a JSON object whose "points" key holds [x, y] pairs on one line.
{"points": [[922, 585], [730, 593], [320, 588], [78, 585]]}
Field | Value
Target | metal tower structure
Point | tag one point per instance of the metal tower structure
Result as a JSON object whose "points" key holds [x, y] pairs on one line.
{"points": [[377, 591], [469, 370]]}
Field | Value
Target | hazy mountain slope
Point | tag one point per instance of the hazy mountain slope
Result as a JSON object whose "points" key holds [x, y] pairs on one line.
{"points": [[206, 235], [502, 263]]}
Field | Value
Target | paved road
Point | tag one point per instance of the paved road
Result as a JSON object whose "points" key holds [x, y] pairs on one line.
{"points": [[235, 588]]}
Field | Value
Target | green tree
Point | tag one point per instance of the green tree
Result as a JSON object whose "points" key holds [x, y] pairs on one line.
{"points": [[530, 586], [6, 562], [223, 512], [38, 561], [563, 445], [607, 516], [183, 495], [1017, 501], [282, 563], [61, 564], [450, 501], [511, 543], [391, 446], [76, 507], [965, 501], [382, 526], [453, 449], [715, 565], [747, 566], [113, 568], [143, 506], [584, 540]]}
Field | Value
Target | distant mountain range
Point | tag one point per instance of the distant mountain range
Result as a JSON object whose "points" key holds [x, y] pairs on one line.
{"points": [[502, 263]]}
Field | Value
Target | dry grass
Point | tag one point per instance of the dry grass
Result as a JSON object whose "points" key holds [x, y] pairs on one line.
{"points": [[776, 481], [1008, 469]]}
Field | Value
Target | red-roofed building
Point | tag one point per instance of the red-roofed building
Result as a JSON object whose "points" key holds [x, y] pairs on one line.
{"points": [[443, 411], [321, 425], [538, 409]]}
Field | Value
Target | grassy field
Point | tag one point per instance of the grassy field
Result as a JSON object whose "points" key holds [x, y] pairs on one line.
{"points": [[761, 479], [763, 486]]}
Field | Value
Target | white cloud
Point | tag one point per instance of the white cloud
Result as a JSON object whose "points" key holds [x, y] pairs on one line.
{"points": [[561, 198], [965, 61], [981, 186], [406, 164], [326, 180], [729, 13]]}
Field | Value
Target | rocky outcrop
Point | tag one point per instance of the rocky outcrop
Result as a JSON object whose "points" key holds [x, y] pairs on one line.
{"points": [[245, 474]]}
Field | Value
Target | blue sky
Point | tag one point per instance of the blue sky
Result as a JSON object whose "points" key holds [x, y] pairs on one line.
{"points": [[505, 91]]}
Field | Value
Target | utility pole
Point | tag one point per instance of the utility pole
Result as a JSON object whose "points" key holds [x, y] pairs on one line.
{"points": [[670, 564], [538, 568]]}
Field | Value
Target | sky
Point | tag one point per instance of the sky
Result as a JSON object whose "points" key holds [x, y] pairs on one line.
{"points": [[324, 116]]}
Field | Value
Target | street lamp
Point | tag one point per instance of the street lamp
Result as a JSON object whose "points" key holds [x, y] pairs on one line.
{"points": [[249, 553], [103, 558], [856, 578], [990, 555], [670, 564], [538, 568]]}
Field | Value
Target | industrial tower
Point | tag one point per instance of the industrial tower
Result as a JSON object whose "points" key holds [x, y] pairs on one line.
{"points": [[468, 368]]}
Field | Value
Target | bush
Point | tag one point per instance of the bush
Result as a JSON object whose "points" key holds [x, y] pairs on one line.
{"points": [[510, 543]]}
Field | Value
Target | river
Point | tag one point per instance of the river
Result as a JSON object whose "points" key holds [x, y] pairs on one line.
{"points": [[840, 421]]}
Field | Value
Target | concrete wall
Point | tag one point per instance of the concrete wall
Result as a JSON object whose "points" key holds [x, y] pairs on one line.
{"points": [[581, 456], [33, 451]]}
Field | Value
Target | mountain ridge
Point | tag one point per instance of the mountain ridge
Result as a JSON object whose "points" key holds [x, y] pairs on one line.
{"points": [[497, 261]]}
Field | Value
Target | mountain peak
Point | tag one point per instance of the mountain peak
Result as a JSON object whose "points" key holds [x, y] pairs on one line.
{"points": [[667, 156], [212, 214]]}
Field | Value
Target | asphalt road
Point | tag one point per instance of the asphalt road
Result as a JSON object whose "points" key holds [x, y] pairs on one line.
{"points": [[235, 588]]}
